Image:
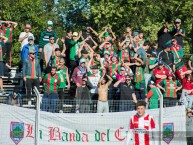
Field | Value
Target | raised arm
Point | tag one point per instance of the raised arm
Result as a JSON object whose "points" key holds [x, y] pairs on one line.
{"points": [[95, 33], [64, 46], [117, 83], [100, 80], [80, 49], [114, 37], [90, 49], [95, 44], [101, 46], [89, 63], [14, 23], [102, 34], [110, 80]]}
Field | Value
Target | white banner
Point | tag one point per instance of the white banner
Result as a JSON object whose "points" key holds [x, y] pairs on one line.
{"points": [[17, 126]]}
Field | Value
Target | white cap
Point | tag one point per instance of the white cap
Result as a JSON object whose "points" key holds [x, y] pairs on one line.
{"points": [[178, 20], [50, 23]]}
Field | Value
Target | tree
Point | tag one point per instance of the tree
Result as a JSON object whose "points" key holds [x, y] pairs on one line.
{"points": [[36, 13]]}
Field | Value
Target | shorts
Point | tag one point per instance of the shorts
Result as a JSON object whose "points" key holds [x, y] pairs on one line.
{"points": [[2, 69], [178, 72]]}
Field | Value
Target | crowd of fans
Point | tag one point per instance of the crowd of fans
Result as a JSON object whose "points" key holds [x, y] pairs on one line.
{"points": [[102, 66]]}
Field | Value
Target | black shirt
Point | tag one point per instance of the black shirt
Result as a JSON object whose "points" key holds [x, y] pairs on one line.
{"points": [[67, 43], [126, 91], [163, 38], [167, 58], [84, 93]]}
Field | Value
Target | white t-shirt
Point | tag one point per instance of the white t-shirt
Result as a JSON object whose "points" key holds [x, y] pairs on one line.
{"points": [[25, 41], [93, 82], [48, 50]]}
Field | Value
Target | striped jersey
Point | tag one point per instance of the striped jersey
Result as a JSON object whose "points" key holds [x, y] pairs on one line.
{"points": [[51, 83], [8, 32], [141, 127]]}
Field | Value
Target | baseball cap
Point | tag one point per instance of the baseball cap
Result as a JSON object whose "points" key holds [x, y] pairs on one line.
{"points": [[135, 34], [122, 68], [170, 75], [75, 34], [27, 26], [160, 62], [84, 51], [106, 52], [178, 20], [106, 34], [50, 23], [168, 44], [30, 38], [82, 60], [153, 54], [150, 82]]}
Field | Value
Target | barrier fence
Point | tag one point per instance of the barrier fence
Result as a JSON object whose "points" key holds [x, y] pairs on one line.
{"points": [[171, 112], [74, 106]]}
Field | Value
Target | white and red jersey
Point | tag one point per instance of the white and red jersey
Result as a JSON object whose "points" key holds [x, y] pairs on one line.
{"points": [[141, 128]]}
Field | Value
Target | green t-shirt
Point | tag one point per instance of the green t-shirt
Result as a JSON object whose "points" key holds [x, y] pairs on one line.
{"points": [[153, 98], [74, 49], [62, 75]]}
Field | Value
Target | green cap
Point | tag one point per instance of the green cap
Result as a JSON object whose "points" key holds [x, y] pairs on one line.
{"points": [[106, 34]]}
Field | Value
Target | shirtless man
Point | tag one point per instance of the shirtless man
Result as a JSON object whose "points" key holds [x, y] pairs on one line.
{"points": [[103, 106]]}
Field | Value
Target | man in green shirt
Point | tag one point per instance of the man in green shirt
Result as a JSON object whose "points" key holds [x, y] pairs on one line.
{"points": [[8, 30], [74, 46], [152, 96], [62, 72], [50, 97]]}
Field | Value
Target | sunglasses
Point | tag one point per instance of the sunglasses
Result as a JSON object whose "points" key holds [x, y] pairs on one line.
{"points": [[32, 53], [51, 39], [127, 79]]}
